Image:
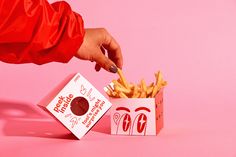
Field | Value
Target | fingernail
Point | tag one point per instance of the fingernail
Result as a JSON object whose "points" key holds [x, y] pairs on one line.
{"points": [[113, 69], [97, 68]]}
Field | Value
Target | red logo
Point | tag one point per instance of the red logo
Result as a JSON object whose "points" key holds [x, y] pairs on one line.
{"points": [[125, 125], [142, 122], [126, 122]]}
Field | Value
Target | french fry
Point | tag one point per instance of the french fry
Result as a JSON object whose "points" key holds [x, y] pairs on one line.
{"points": [[131, 85], [149, 90], [114, 95], [119, 80], [143, 94], [134, 92], [151, 85], [122, 79], [120, 88], [143, 85], [159, 79], [109, 93], [164, 83], [137, 95], [154, 92], [122, 95], [116, 82], [108, 90], [111, 86]]}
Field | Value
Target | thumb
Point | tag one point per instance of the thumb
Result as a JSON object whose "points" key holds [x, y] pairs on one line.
{"points": [[105, 63]]}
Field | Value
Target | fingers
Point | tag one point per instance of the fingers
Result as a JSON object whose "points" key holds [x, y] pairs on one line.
{"points": [[97, 43], [97, 66], [104, 62], [113, 50]]}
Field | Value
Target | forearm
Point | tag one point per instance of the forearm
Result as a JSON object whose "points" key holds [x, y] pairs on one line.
{"points": [[38, 32]]}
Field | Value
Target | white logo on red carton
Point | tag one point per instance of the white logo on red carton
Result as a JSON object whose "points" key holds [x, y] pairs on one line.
{"points": [[78, 105]]}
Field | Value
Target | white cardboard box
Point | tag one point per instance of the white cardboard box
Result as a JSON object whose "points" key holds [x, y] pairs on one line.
{"points": [[76, 103], [137, 116]]}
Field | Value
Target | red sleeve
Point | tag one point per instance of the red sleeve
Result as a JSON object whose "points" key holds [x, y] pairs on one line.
{"points": [[34, 31]]}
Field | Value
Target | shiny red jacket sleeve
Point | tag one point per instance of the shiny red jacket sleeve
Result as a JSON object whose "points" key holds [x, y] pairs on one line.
{"points": [[34, 31]]}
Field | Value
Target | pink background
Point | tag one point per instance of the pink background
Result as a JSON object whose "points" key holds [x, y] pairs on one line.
{"points": [[192, 42]]}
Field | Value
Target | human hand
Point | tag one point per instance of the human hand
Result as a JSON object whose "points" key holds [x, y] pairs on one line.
{"points": [[97, 42]]}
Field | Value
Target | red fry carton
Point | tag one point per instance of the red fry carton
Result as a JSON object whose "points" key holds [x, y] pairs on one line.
{"points": [[137, 116], [77, 104]]}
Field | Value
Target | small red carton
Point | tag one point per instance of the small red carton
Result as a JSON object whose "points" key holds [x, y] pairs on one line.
{"points": [[137, 116], [77, 104]]}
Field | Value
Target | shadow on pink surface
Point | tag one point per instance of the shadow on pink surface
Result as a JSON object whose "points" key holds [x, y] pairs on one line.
{"points": [[103, 125], [27, 120]]}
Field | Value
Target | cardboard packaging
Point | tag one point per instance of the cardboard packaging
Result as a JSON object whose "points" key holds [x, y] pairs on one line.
{"points": [[137, 116], [76, 103]]}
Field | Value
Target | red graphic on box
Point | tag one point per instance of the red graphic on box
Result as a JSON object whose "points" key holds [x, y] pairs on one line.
{"points": [[127, 126], [141, 122], [79, 106], [73, 119], [137, 116]]}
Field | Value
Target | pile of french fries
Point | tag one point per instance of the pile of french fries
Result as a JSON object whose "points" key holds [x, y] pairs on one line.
{"points": [[120, 88]]}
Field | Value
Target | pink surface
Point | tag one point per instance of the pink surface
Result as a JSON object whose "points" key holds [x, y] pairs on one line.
{"points": [[192, 42]]}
